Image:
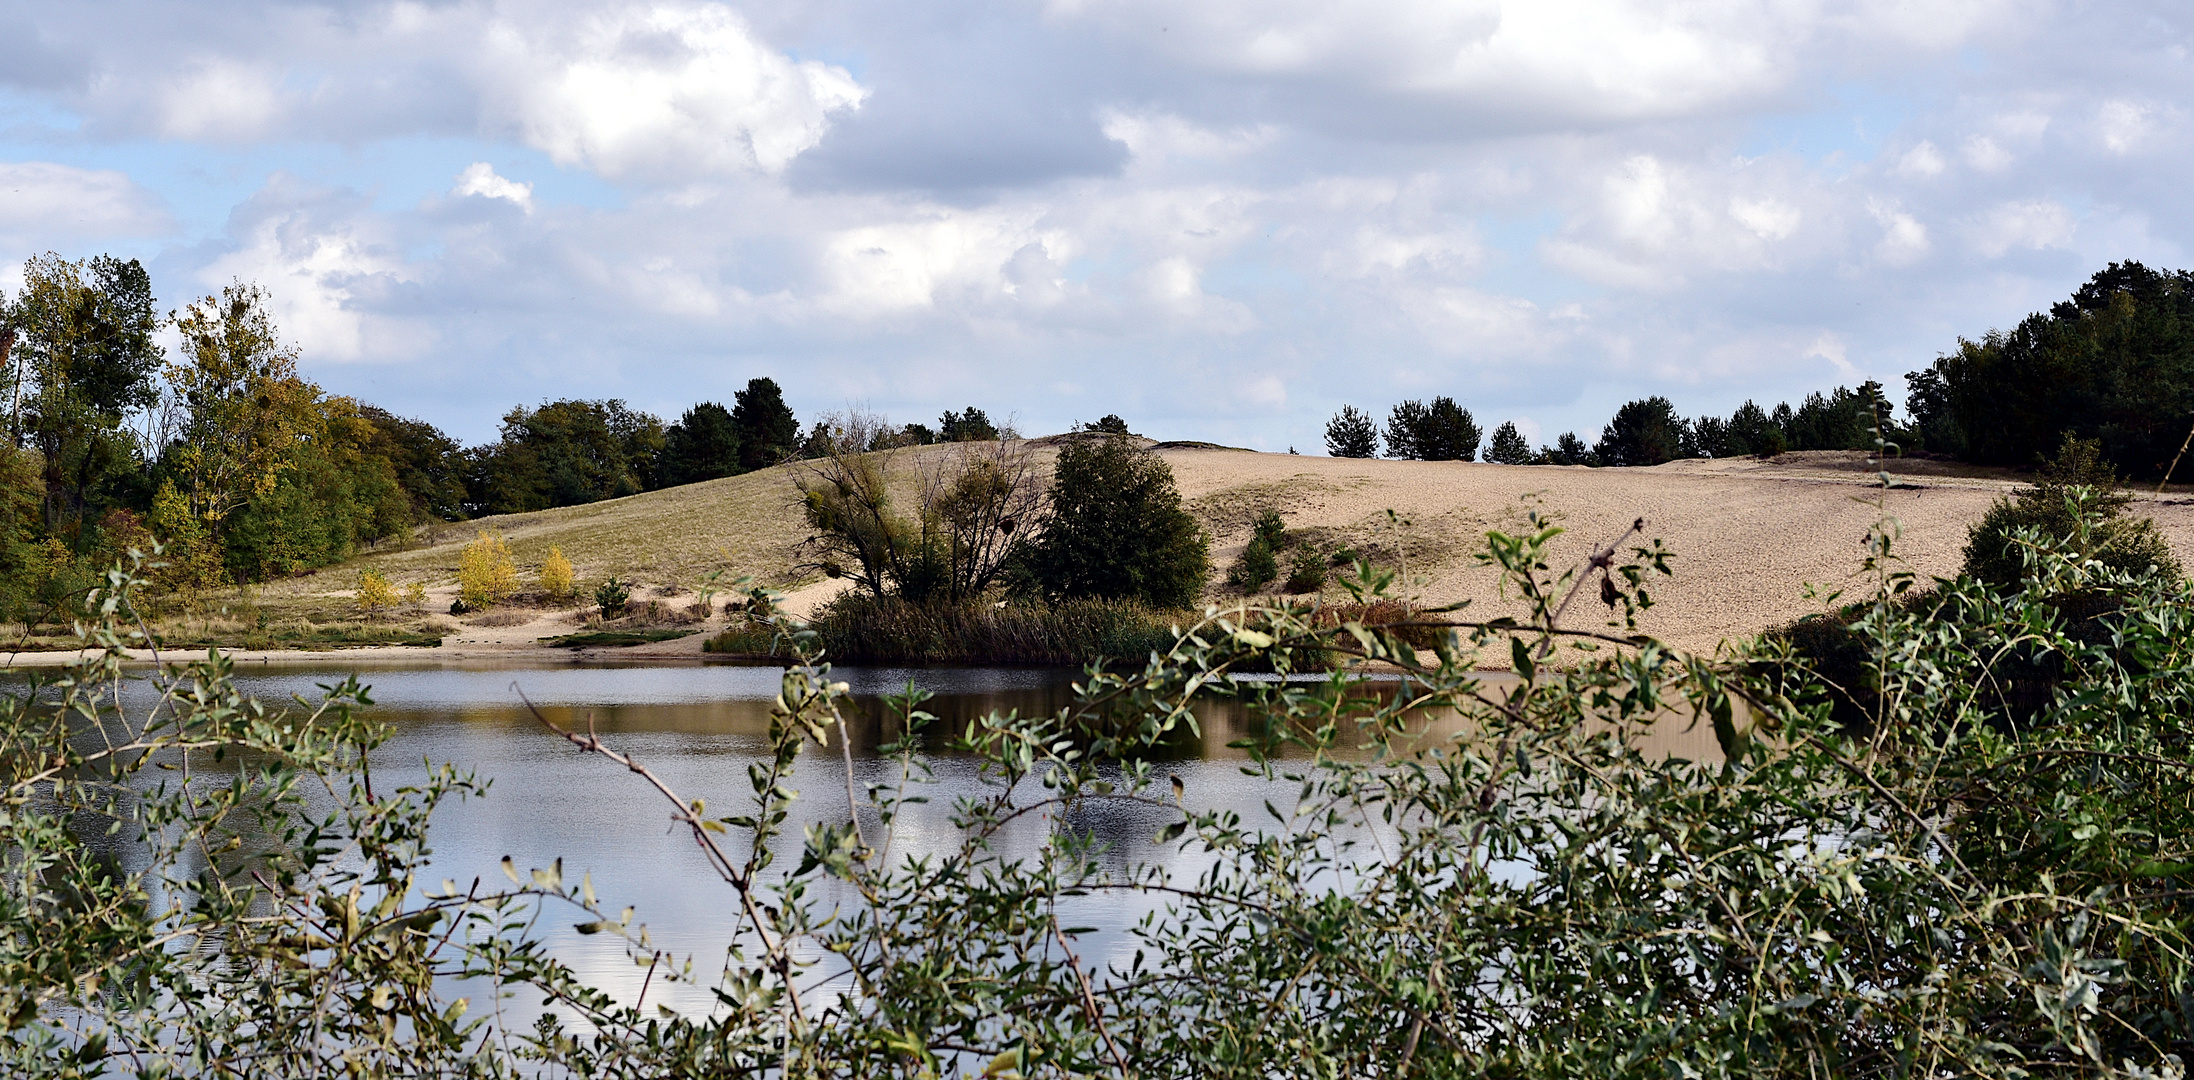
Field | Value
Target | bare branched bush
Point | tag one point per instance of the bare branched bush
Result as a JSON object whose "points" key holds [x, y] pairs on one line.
{"points": [[974, 505]]}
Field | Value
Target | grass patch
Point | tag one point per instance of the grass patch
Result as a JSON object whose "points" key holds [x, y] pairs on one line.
{"points": [[307, 636], [861, 629], [612, 639]]}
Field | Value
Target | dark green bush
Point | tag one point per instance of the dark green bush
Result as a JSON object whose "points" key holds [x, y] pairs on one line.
{"points": [[1508, 446], [611, 597], [1117, 530], [1257, 567], [1308, 572], [1352, 434], [857, 628]]}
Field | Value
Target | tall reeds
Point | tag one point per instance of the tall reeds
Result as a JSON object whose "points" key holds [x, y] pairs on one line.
{"points": [[863, 629]]}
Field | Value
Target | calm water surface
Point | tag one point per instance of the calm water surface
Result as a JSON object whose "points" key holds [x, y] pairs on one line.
{"points": [[699, 727]]}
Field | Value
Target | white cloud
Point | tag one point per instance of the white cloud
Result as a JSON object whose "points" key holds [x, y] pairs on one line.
{"points": [[881, 269], [657, 89], [1384, 251], [1767, 218], [1527, 60], [2123, 125], [1653, 225], [1922, 160], [667, 90], [1903, 240], [479, 179], [1982, 153], [327, 269], [2029, 223], [221, 100], [43, 204], [1153, 138], [1831, 348]]}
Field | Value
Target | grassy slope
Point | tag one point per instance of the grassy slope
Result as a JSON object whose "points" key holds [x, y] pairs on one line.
{"points": [[1750, 534]]}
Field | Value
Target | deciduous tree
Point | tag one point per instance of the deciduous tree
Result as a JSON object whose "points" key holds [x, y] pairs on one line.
{"points": [[1117, 529], [244, 406], [82, 359]]}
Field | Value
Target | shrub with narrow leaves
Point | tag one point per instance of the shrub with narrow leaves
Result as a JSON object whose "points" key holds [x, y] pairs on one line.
{"points": [[1980, 873]]}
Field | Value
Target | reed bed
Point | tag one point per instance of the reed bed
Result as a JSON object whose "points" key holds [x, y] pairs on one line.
{"points": [[862, 629]]}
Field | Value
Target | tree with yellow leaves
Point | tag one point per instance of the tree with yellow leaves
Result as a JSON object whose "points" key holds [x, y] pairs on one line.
{"points": [[485, 572], [556, 575], [375, 594], [246, 405]]}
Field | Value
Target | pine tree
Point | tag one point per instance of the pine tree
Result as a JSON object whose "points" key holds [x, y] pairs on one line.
{"points": [[768, 432], [1352, 434], [1508, 447]]}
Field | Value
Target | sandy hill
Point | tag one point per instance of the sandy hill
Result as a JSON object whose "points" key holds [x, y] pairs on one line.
{"points": [[1749, 535]]}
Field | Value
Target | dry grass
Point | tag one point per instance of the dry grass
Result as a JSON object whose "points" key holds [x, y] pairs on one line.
{"points": [[1749, 534], [503, 617]]}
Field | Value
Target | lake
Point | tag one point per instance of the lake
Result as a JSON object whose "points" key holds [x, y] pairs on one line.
{"points": [[699, 727]]}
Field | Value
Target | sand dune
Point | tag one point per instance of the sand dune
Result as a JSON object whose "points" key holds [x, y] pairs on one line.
{"points": [[1749, 535]]}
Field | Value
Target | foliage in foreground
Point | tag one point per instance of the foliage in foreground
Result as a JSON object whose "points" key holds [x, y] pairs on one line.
{"points": [[1971, 887], [2075, 494]]}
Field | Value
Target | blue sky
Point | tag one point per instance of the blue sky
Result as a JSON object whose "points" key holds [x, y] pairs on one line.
{"points": [[1221, 221]]}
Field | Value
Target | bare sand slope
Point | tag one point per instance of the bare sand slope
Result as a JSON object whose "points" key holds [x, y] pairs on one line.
{"points": [[1748, 535]]}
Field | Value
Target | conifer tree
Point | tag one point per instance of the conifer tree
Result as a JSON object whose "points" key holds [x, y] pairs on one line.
{"points": [[1508, 447]]}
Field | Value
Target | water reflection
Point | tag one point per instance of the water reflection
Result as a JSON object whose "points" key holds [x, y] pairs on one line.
{"points": [[699, 728]]}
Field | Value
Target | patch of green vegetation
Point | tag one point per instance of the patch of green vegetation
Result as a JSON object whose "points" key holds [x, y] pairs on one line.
{"points": [[309, 637], [612, 639], [1067, 633]]}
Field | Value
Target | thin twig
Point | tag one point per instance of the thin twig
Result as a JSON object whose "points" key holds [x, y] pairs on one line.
{"points": [[1600, 560], [1089, 1001], [2175, 461]]}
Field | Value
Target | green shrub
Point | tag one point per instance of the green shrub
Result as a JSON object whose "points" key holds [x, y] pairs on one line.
{"points": [[857, 628], [1256, 568], [1308, 572], [1117, 530], [612, 596], [2075, 499], [1534, 892]]}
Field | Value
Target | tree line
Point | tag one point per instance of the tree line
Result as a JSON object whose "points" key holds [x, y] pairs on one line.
{"points": [[1644, 432], [246, 470], [2113, 364]]}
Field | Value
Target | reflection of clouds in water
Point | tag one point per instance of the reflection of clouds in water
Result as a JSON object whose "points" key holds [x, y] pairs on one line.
{"points": [[700, 728]]}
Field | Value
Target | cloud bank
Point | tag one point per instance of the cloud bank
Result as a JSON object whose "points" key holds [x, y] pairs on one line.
{"points": [[1221, 220]]}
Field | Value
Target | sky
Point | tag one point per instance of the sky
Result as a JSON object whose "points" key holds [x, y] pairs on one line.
{"points": [[1220, 220]]}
